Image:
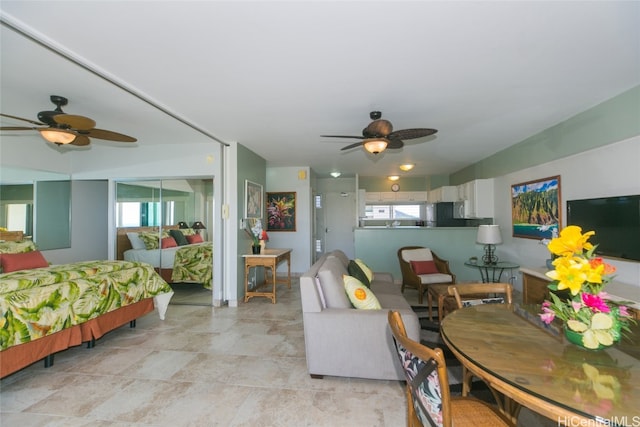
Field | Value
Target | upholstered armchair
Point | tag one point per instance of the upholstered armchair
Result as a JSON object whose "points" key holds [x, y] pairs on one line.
{"points": [[421, 267]]}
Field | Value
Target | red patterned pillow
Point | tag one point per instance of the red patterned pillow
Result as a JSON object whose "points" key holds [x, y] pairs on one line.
{"points": [[23, 261], [168, 242], [424, 267], [195, 238]]}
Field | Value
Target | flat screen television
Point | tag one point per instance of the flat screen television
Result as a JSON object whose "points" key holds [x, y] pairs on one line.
{"points": [[616, 221]]}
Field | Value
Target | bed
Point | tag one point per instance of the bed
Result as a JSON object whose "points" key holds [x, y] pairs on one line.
{"points": [[49, 309], [189, 263]]}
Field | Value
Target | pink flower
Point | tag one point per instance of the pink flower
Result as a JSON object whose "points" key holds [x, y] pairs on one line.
{"points": [[547, 317], [576, 306], [623, 310], [595, 303]]}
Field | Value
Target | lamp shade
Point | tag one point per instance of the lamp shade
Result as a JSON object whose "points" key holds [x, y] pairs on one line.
{"points": [[57, 136], [489, 235], [375, 145], [182, 225], [198, 226]]}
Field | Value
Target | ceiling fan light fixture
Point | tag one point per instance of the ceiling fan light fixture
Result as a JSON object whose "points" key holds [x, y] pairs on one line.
{"points": [[407, 167], [375, 145], [335, 174], [393, 177], [57, 136]]}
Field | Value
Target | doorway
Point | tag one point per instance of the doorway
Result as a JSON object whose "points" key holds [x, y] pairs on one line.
{"points": [[336, 222]]}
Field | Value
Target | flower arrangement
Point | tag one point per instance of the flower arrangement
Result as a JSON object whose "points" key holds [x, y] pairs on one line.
{"points": [[588, 312], [256, 233]]}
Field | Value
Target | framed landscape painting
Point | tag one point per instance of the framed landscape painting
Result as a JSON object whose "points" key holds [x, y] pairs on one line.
{"points": [[535, 208], [281, 211], [252, 200]]}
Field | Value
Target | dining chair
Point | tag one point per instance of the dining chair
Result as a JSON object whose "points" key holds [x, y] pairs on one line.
{"points": [[421, 267], [429, 401], [474, 294]]}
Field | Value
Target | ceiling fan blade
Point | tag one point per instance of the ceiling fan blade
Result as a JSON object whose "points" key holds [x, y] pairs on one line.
{"points": [[20, 118], [108, 135], [16, 128], [413, 133], [342, 136], [80, 141], [350, 146], [395, 142], [74, 122]]}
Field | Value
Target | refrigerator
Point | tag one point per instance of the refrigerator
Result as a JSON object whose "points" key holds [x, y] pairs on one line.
{"points": [[442, 215]]}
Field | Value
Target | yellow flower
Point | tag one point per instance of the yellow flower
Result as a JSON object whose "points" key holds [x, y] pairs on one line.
{"points": [[571, 241], [571, 273]]}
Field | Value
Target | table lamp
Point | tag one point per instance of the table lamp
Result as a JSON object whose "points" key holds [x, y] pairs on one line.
{"points": [[198, 226], [489, 236]]}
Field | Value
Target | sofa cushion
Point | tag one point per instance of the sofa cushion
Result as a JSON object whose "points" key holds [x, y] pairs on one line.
{"points": [[435, 278], [393, 302], [360, 296], [420, 254], [385, 287], [424, 267], [330, 275], [344, 259], [355, 271]]}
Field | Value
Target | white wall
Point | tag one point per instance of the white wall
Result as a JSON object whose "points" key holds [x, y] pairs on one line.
{"points": [[289, 179], [612, 170]]}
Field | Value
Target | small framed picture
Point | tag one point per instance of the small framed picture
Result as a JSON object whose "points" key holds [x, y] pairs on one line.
{"points": [[281, 211], [252, 200], [535, 208]]}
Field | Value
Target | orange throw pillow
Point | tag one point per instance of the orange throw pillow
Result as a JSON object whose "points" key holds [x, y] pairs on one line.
{"points": [[424, 267], [196, 238], [168, 242], [23, 261]]}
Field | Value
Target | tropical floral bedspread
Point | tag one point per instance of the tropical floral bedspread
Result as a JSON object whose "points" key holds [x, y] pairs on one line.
{"points": [[39, 302], [194, 263]]}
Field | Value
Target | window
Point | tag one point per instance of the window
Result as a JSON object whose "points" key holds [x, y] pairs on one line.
{"points": [[386, 212]]}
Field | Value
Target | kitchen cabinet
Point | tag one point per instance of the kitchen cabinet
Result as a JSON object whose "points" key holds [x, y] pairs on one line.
{"points": [[447, 193], [371, 197], [479, 194], [411, 196]]}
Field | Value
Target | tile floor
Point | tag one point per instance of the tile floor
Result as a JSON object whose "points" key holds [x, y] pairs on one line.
{"points": [[202, 366]]}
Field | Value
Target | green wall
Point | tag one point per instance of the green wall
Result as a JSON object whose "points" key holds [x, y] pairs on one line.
{"points": [[250, 167], [378, 248], [611, 121]]}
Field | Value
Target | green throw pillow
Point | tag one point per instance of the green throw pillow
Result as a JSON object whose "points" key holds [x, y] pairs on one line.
{"points": [[179, 237], [354, 270]]}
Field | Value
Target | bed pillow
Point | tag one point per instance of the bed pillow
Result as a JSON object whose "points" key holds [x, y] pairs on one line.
{"points": [[136, 242], [178, 237], [150, 239], [360, 296], [188, 231], [168, 242], [22, 261], [196, 238]]}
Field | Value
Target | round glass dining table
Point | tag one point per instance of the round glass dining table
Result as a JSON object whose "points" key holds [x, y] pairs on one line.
{"points": [[532, 365]]}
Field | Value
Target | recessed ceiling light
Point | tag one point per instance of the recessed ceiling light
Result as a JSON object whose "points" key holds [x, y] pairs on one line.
{"points": [[407, 167], [335, 174], [393, 177]]}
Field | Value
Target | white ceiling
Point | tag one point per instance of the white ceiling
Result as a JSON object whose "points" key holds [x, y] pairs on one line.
{"points": [[275, 76]]}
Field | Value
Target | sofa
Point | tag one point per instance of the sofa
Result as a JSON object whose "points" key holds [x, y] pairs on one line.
{"points": [[343, 341]]}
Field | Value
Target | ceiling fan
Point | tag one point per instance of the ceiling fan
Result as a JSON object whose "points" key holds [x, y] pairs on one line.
{"points": [[379, 135], [61, 128]]}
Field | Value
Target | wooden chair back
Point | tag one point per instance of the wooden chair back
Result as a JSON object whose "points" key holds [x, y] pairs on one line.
{"points": [[479, 292], [428, 395]]}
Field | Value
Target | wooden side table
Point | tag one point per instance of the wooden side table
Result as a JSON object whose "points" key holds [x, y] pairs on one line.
{"points": [[269, 259]]}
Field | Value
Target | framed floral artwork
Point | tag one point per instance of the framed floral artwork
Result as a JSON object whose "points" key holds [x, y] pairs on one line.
{"points": [[252, 200], [535, 208], [281, 211]]}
